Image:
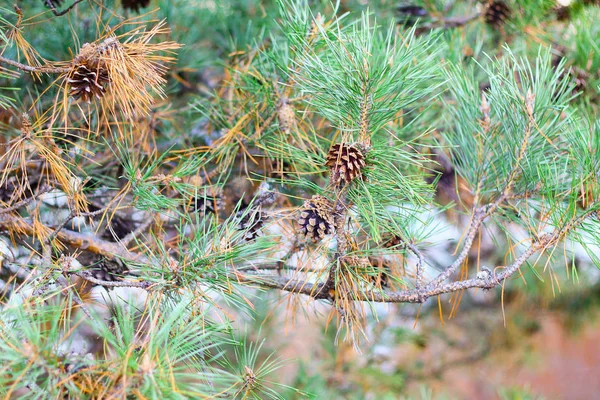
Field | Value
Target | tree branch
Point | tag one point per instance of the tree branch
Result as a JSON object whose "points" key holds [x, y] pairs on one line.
{"points": [[124, 283], [66, 10], [480, 214], [40, 70]]}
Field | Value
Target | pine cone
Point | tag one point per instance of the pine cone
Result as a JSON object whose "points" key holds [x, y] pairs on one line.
{"points": [[580, 76], [346, 162], [383, 278], [118, 227], [134, 5], [280, 169], [563, 13], [208, 201], [87, 83], [390, 240], [108, 270], [409, 14], [52, 4], [8, 191], [252, 223], [316, 220], [497, 13]]}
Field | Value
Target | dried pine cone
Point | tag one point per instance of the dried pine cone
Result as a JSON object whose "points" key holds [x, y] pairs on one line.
{"points": [[134, 5], [580, 77], [316, 219], [383, 277], [108, 269], [497, 13], [280, 169], [409, 14], [118, 227], [252, 223], [52, 4], [346, 162], [8, 191], [563, 13], [87, 82], [390, 240], [208, 201]]}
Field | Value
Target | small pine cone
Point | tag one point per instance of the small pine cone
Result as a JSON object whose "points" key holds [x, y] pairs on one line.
{"points": [[286, 116], [390, 240], [383, 278], [280, 169], [563, 13], [409, 14], [134, 5], [8, 190], [208, 201], [117, 227], [252, 223], [580, 77], [52, 4], [497, 13], [108, 270], [316, 219], [346, 162], [87, 83]]}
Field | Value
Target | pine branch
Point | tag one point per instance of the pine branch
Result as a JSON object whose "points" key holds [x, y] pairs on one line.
{"points": [[124, 283], [63, 12], [28, 68]]}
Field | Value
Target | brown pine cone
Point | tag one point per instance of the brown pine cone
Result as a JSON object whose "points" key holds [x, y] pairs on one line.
{"points": [[252, 223], [134, 5], [52, 4], [208, 200], [497, 13], [108, 269], [346, 162], [87, 82], [390, 240], [316, 219]]}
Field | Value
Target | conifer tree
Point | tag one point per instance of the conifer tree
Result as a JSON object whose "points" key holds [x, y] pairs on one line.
{"points": [[166, 167]]}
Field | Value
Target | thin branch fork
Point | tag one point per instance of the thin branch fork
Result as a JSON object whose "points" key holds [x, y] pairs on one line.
{"points": [[66, 10], [482, 213]]}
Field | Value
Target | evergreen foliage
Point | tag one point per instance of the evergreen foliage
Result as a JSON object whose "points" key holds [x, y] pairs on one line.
{"points": [[214, 153]]}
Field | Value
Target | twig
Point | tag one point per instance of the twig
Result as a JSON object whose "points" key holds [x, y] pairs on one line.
{"points": [[64, 282], [63, 12], [69, 218], [137, 284], [452, 22], [28, 68], [456, 22], [24, 202], [479, 217], [482, 213], [138, 231], [340, 210], [318, 291], [420, 262], [89, 243]]}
